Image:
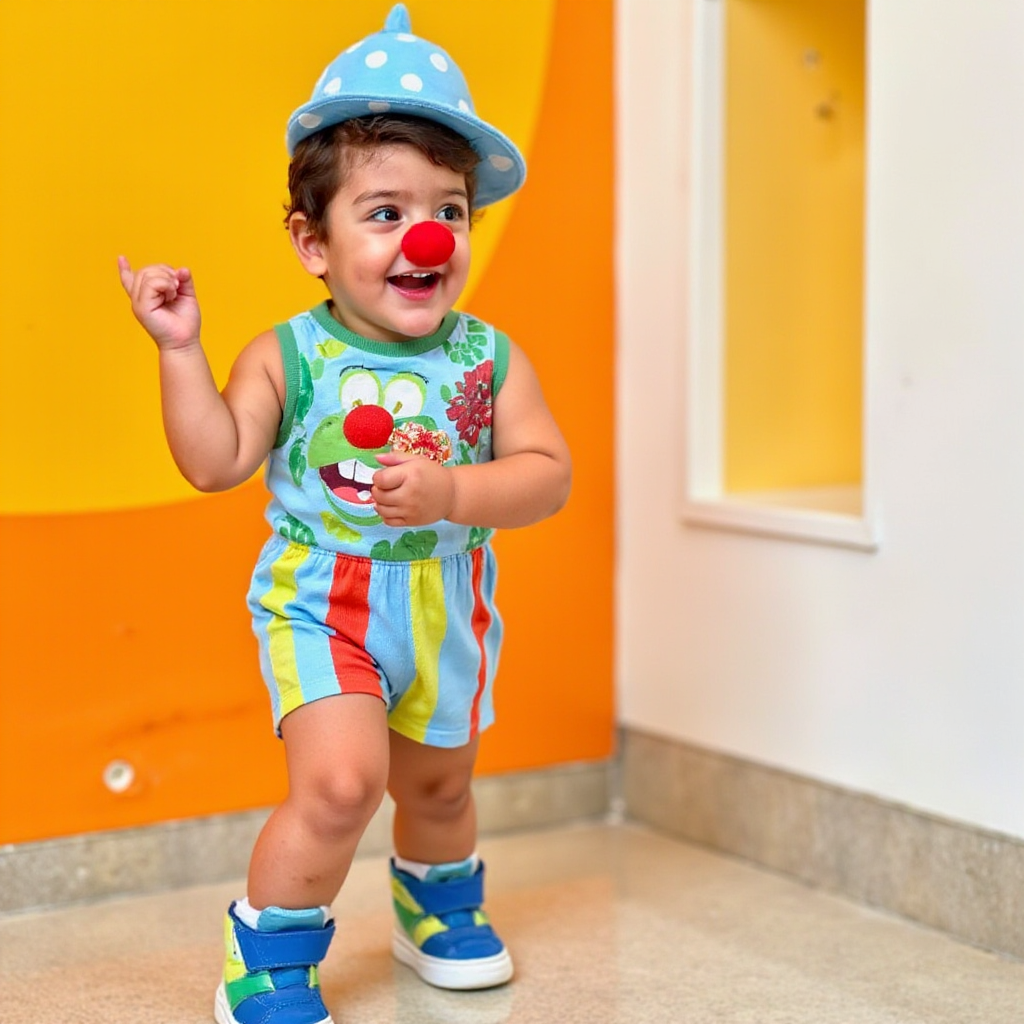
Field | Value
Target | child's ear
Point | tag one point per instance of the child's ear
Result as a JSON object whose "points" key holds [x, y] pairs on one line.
{"points": [[307, 246]]}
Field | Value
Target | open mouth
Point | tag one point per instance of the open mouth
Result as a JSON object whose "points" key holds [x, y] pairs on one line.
{"points": [[349, 480], [418, 282]]}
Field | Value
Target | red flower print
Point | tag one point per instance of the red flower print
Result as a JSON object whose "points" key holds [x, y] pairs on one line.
{"points": [[470, 408]]}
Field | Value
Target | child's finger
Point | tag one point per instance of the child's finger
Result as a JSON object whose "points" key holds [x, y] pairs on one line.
{"points": [[156, 285], [389, 511], [125, 271], [395, 458], [387, 479], [186, 282]]}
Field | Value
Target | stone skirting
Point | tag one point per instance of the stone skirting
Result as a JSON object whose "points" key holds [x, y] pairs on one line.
{"points": [[947, 875], [198, 851], [950, 876]]}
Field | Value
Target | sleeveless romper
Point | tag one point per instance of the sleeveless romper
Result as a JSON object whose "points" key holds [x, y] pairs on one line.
{"points": [[342, 603]]}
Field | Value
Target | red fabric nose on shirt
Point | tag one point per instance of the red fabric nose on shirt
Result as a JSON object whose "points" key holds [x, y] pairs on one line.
{"points": [[428, 244], [368, 426]]}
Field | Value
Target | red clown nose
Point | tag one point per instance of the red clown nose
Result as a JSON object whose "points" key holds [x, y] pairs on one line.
{"points": [[428, 244], [368, 426]]}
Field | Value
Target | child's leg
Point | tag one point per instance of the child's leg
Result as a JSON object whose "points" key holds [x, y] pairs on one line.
{"points": [[442, 932], [435, 817], [337, 755]]}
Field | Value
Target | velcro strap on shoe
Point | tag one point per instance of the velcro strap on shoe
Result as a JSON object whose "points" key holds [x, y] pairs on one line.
{"points": [[449, 896], [265, 951]]}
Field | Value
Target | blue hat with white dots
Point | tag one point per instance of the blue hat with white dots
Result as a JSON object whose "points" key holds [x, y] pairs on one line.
{"points": [[394, 71]]}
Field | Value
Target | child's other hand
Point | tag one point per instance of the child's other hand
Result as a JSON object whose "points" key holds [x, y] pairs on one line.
{"points": [[164, 302], [412, 490]]}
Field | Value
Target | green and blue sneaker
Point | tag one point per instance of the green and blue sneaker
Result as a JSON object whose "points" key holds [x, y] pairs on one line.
{"points": [[271, 971], [441, 932]]}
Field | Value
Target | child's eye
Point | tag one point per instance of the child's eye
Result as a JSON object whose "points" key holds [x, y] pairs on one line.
{"points": [[450, 212], [385, 213]]}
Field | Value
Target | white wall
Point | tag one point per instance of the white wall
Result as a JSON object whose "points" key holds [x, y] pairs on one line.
{"points": [[898, 673]]}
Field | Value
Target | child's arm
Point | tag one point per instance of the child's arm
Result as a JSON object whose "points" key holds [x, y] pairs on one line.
{"points": [[217, 439], [528, 479]]}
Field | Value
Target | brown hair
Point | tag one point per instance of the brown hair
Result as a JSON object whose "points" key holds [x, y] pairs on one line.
{"points": [[322, 160]]}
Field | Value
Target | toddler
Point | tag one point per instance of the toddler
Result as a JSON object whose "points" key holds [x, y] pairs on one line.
{"points": [[398, 434]]}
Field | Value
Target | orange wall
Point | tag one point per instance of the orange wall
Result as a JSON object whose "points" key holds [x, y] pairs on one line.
{"points": [[123, 632]]}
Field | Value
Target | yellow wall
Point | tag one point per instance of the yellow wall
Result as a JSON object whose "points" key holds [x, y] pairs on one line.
{"points": [[794, 212], [157, 130]]}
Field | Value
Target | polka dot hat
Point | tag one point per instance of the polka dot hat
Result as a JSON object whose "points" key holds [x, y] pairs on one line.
{"points": [[395, 71]]}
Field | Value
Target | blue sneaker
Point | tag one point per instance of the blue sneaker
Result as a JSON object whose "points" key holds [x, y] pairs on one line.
{"points": [[270, 976], [442, 933]]}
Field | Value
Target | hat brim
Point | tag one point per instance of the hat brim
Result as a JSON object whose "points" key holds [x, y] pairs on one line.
{"points": [[501, 170]]}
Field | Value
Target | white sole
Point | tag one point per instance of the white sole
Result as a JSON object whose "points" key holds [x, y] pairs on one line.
{"points": [[222, 1011], [459, 975]]}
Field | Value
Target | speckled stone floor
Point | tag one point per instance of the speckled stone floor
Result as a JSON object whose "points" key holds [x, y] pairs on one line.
{"points": [[608, 925]]}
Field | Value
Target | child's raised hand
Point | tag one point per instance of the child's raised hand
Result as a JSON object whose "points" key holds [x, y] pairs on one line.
{"points": [[412, 490], [164, 302]]}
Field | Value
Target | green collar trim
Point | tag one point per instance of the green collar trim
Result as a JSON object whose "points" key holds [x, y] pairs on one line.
{"points": [[396, 349]]}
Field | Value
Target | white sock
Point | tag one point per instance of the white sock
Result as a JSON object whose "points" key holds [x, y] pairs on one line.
{"points": [[246, 914], [451, 869], [250, 916]]}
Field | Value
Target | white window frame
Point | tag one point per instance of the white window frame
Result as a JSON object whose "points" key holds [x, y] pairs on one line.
{"points": [[839, 516]]}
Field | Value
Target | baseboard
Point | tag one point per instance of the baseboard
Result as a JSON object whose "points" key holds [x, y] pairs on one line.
{"points": [[951, 876], [199, 851], [962, 880]]}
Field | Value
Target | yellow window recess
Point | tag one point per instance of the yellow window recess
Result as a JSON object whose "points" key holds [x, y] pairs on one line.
{"points": [[780, 204]]}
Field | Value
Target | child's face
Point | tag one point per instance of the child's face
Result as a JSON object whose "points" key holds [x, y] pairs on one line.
{"points": [[371, 282]]}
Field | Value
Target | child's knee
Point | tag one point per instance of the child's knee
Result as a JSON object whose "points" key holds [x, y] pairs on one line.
{"points": [[440, 797], [338, 802]]}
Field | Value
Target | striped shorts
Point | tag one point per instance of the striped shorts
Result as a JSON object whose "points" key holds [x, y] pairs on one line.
{"points": [[424, 636]]}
